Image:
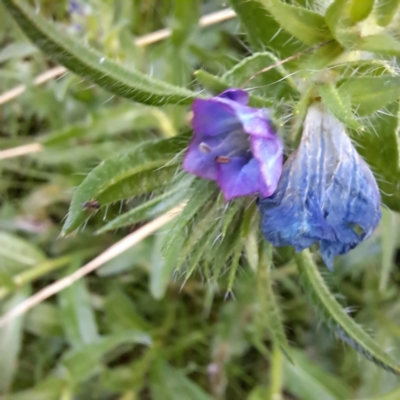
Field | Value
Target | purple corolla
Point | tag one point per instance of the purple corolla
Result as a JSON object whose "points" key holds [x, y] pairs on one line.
{"points": [[234, 145]]}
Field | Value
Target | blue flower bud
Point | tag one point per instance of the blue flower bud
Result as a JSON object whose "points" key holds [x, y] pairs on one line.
{"points": [[326, 194]]}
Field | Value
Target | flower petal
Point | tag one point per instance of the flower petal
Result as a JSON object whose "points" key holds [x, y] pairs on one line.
{"points": [[239, 177], [238, 95], [215, 116], [327, 193], [269, 154], [226, 113], [201, 162]]}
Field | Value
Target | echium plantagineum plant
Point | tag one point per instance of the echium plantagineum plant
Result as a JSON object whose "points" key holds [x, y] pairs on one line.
{"points": [[286, 149]]}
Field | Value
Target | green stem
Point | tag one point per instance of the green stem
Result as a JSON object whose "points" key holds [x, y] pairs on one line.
{"points": [[268, 302], [276, 382], [34, 273]]}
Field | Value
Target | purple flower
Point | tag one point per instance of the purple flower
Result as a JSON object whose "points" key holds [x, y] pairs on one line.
{"points": [[234, 145], [327, 193]]}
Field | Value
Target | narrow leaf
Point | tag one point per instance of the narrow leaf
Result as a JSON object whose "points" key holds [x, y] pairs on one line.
{"points": [[77, 315], [379, 146], [309, 381], [47, 389], [201, 193], [359, 10], [11, 343], [381, 43], [91, 64], [369, 94], [336, 316], [85, 363], [217, 85], [338, 104], [262, 29], [276, 83], [389, 246], [147, 167], [18, 254], [386, 10], [168, 383], [148, 210], [303, 24]]}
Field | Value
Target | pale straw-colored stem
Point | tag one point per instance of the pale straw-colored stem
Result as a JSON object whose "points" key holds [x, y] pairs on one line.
{"points": [[20, 150], [112, 252], [142, 41]]}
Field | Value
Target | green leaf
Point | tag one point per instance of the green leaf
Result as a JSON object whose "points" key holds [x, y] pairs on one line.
{"points": [[275, 83], [136, 256], [393, 395], [269, 303], [386, 10], [111, 123], [381, 43], [168, 383], [203, 232], [211, 82], [379, 146], [218, 85], [309, 381], [11, 343], [339, 18], [85, 363], [341, 24], [150, 209], [218, 258], [147, 167], [336, 317], [91, 64], [389, 246], [338, 103], [303, 24], [201, 193], [18, 254], [369, 94], [263, 31], [16, 50], [359, 10], [122, 314], [44, 320], [77, 315], [47, 389], [163, 262]]}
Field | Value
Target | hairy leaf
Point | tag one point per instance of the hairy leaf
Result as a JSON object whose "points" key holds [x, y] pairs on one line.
{"points": [[303, 24], [386, 10], [201, 193], [337, 318], [359, 10], [91, 64], [276, 83], [369, 94], [262, 29], [147, 167], [218, 85], [149, 209], [379, 146], [338, 103]]}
